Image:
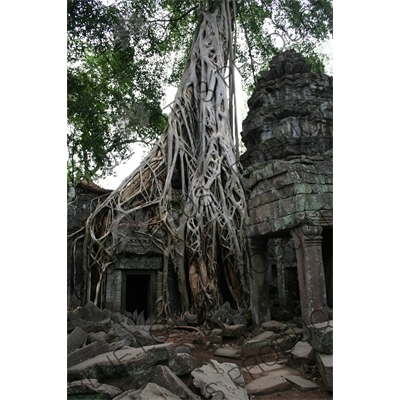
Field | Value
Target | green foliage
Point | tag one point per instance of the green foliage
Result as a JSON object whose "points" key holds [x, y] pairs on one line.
{"points": [[122, 56], [115, 82]]}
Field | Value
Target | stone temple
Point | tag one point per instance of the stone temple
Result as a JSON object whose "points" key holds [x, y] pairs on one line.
{"points": [[287, 175]]}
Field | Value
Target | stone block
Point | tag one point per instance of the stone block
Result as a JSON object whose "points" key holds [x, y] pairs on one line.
{"points": [[131, 394], [183, 364], [266, 335], [223, 316], [87, 352], [192, 319], [298, 332], [216, 336], [227, 352], [268, 385], [164, 377], [88, 386], [322, 337], [75, 339], [233, 330], [259, 369], [257, 347], [273, 326], [94, 336], [300, 383], [182, 349], [131, 362], [302, 353], [90, 312], [325, 368], [216, 378], [154, 391], [90, 326]]}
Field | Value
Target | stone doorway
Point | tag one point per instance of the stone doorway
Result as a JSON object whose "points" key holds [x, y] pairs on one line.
{"points": [[138, 292]]}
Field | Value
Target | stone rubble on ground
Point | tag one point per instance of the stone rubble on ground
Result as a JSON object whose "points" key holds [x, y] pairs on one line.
{"points": [[110, 357], [218, 377]]}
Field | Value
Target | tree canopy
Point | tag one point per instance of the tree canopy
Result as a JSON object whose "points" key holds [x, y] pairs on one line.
{"points": [[121, 58]]}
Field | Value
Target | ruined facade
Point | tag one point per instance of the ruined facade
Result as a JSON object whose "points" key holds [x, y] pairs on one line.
{"points": [[288, 176], [287, 172]]}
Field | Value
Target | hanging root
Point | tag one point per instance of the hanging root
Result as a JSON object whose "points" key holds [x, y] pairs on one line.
{"points": [[188, 187]]}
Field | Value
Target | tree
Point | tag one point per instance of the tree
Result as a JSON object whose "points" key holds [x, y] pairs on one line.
{"points": [[115, 85], [189, 184], [122, 56]]}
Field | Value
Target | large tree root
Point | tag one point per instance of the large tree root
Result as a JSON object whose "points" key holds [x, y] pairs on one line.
{"points": [[188, 185]]}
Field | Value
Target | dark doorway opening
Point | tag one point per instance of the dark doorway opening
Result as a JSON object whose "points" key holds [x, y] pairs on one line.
{"points": [[137, 289], [327, 255]]}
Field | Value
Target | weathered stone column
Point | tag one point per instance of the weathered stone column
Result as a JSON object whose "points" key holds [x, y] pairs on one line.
{"points": [[259, 289], [308, 240]]}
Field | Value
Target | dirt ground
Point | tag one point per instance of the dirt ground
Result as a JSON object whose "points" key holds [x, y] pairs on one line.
{"points": [[180, 337]]}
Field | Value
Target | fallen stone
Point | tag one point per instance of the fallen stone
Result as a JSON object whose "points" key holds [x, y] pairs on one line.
{"points": [[266, 335], [94, 336], [86, 386], [268, 385], [325, 368], [223, 316], [233, 330], [191, 319], [216, 336], [182, 349], [283, 372], [259, 369], [129, 394], [138, 336], [117, 317], [285, 343], [258, 347], [164, 377], [153, 391], [322, 337], [90, 312], [87, 352], [273, 326], [75, 339], [136, 363], [90, 326], [119, 344], [300, 383], [227, 352], [302, 353], [239, 319], [219, 378], [298, 332], [183, 364]]}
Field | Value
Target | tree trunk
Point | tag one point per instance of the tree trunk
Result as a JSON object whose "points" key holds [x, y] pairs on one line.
{"points": [[193, 165]]}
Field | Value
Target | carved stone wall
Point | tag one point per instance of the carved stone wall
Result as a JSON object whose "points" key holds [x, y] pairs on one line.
{"points": [[288, 178], [290, 112]]}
